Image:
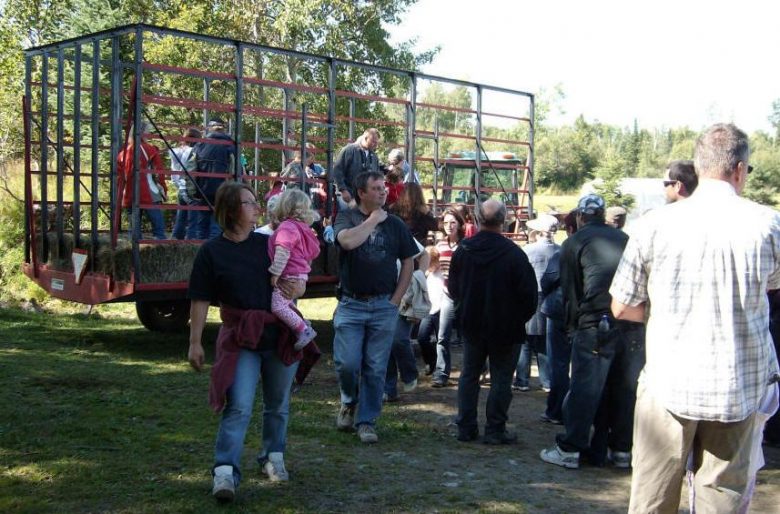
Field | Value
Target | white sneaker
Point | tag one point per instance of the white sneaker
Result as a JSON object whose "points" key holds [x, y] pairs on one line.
{"points": [[410, 386], [559, 457], [619, 459], [224, 488], [367, 434], [274, 467]]}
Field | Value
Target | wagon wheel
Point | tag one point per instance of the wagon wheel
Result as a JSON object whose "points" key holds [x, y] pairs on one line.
{"points": [[164, 315]]}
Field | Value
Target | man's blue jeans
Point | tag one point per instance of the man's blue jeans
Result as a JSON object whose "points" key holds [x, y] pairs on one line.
{"points": [[364, 331], [558, 359], [401, 358], [155, 217], [443, 354], [207, 227], [523, 372], [276, 382], [428, 327], [185, 220], [602, 392], [500, 396]]}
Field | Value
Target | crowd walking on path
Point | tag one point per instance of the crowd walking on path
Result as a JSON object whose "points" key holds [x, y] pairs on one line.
{"points": [[654, 345]]}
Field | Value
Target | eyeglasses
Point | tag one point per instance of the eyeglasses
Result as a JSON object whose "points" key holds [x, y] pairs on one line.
{"points": [[668, 183]]}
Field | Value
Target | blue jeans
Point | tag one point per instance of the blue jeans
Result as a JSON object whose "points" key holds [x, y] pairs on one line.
{"points": [[155, 217], [499, 398], [558, 359], [277, 382], [401, 358], [363, 338], [602, 392], [443, 354], [185, 220], [207, 228], [531, 346], [428, 327]]}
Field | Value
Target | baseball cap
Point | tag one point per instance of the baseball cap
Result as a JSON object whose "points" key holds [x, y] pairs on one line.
{"points": [[590, 204], [616, 212], [543, 223], [216, 122]]}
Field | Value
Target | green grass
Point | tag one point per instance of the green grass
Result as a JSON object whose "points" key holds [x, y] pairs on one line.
{"points": [[546, 201], [101, 415]]}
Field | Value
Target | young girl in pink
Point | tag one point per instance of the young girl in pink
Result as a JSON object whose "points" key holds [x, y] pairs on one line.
{"points": [[292, 247]]}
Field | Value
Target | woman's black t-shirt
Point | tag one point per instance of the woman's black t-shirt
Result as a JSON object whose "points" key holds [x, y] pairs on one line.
{"points": [[234, 274]]}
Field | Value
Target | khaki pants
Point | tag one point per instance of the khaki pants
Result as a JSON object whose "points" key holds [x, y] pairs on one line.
{"points": [[662, 443]]}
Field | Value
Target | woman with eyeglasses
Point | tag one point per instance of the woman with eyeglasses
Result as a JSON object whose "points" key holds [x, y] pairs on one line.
{"points": [[232, 271]]}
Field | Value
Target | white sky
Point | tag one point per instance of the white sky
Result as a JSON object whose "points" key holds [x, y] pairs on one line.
{"points": [[666, 63]]}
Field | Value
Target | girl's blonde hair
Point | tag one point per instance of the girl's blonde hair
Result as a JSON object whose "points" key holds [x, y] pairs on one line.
{"points": [[295, 204]]}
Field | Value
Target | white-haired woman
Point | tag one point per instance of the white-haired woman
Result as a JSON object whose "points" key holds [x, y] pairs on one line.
{"points": [[396, 160]]}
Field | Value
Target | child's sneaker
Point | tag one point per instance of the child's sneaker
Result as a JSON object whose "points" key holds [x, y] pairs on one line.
{"points": [[304, 338]]}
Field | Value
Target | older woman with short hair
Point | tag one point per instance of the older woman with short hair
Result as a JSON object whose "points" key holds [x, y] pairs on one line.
{"points": [[232, 271]]}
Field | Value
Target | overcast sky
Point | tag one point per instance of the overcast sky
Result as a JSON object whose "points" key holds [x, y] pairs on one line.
{"points": [[666, 63]]}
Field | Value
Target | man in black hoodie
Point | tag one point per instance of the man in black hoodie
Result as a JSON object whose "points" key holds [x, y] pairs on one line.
{"points": [[494, 289]]}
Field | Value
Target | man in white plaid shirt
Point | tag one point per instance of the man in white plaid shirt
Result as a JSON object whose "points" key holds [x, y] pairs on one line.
{"points": [[700, 270]]}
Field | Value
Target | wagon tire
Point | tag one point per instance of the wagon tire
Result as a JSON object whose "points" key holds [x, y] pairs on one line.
{"points": [[164, 315]]}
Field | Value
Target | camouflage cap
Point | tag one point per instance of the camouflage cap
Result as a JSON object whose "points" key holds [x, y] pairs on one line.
{"points": [[590, 204]]}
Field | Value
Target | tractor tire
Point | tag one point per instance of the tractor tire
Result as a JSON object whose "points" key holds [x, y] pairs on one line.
{"points": [[164, 315]]}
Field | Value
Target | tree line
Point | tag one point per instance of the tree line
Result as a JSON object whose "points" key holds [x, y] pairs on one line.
{"points": [[566, 156]]}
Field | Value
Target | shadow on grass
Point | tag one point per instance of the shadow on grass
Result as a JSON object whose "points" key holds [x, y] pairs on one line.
{"points": [[101, 415]]}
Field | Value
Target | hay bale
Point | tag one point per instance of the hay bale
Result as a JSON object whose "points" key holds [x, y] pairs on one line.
{"points": [[170, 262], [161, 263]]}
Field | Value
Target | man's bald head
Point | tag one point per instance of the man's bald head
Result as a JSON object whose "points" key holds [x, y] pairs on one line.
{"points": [[492, 215]]}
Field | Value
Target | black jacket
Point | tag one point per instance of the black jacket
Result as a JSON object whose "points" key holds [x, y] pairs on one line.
{"points": [[589, 259], [494, 289], [351, 162], [214, 158]]}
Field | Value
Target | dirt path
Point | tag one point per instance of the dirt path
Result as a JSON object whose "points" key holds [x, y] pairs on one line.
{"points": [[473, 476]]}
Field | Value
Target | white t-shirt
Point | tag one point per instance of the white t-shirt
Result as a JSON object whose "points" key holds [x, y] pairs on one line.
{"points": [[435, 290]]}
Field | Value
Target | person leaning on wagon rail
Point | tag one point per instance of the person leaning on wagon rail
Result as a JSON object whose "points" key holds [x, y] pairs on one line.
{"points": [[152, 182], [232, 270], [215, 156], [180, 160], [354, 159], [397, 160], [292, 175]]}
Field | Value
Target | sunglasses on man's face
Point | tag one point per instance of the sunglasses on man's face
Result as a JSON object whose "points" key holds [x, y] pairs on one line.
{"points": [[750, 169], [668, 183]]}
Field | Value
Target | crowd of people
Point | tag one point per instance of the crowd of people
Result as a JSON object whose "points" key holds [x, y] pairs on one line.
{"points": [[654, 350]]}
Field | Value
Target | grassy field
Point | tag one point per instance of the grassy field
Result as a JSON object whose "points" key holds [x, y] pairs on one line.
{"points": [[100, 415], [103, 416]]}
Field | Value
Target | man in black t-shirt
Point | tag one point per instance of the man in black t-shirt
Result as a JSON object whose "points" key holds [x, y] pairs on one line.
{"points": [[371, 242]]}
